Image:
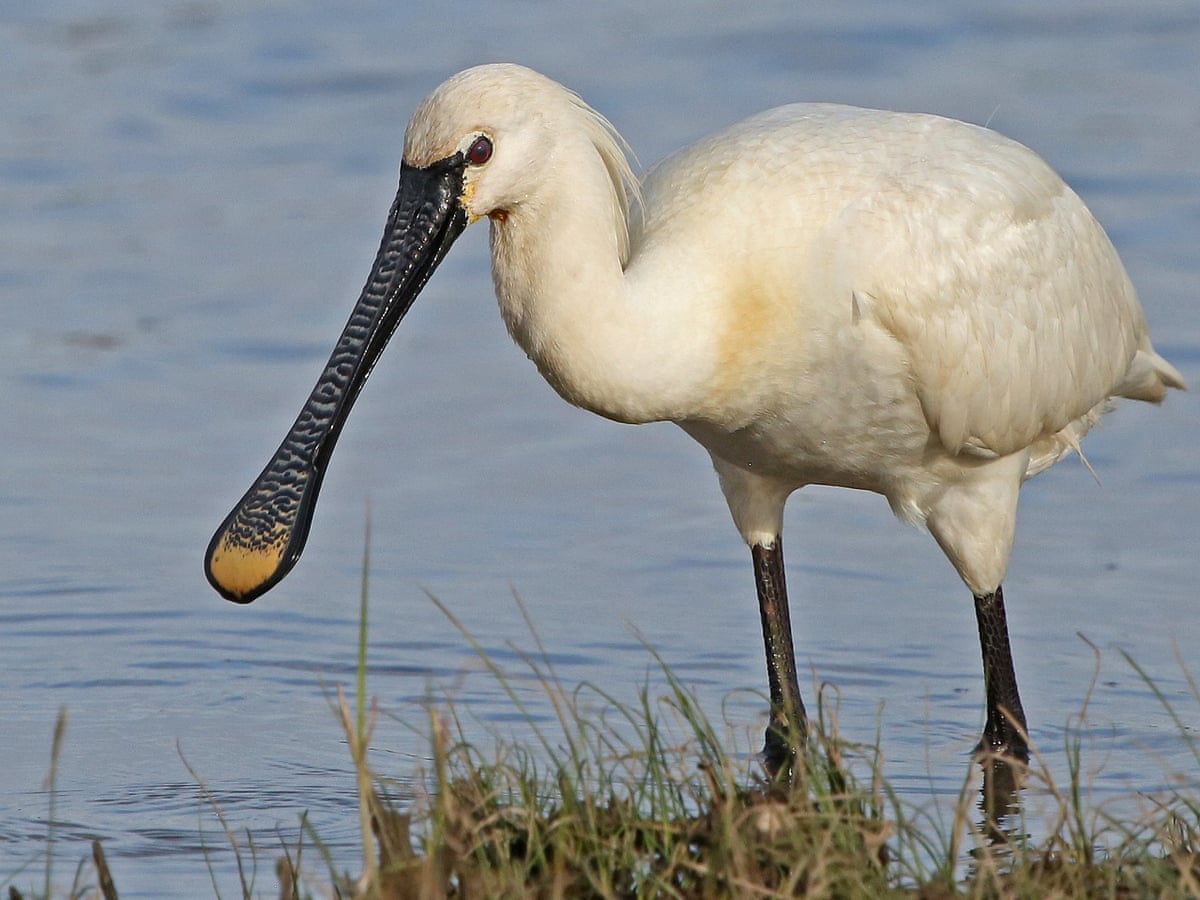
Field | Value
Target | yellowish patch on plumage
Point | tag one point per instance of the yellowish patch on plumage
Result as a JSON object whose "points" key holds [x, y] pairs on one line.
{"points": [[745, 340]]}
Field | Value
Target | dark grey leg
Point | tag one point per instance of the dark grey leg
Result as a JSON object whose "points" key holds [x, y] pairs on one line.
{"points": [[788, 723], [1001, 734]]}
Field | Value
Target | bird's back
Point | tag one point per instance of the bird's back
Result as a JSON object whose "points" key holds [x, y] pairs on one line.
{"points": [[1009, 305]]}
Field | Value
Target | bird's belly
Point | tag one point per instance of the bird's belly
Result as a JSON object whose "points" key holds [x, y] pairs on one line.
{"points": [[870, 440], [834, 404]]}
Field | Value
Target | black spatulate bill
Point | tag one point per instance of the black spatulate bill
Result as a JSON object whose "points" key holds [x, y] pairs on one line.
{"points": [[261, 539]]}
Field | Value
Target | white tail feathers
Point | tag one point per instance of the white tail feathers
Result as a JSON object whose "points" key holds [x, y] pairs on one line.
{"points": [[1148, 378]]}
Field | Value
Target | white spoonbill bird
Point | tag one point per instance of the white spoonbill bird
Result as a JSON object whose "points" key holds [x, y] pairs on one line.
{"points": [[820, 294]]}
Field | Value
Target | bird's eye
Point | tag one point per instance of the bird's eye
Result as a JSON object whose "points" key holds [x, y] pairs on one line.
{"points": [[480, 151]]}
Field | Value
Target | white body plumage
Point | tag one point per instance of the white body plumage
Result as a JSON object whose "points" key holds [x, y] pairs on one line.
{"points": [[896, 302], [818, 295]]}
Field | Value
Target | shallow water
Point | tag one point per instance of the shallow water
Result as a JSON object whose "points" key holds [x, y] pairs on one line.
{"points": [[190, 196]]}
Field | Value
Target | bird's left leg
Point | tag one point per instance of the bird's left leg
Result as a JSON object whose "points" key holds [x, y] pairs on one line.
{"points": [[756, 502], [788, 725]]}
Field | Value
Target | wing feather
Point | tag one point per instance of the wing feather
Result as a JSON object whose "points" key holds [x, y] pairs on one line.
{"points": [[1014, 309]]}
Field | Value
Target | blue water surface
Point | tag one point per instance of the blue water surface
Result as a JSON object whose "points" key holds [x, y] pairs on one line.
{"points": [[191, 194]]}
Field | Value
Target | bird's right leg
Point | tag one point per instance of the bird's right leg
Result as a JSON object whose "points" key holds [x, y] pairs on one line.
{"points": [[788, 726], [1005, 729], [973, 519]]}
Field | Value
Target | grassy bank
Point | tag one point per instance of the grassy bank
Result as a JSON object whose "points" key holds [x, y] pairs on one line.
{"points": [[642, 800]]}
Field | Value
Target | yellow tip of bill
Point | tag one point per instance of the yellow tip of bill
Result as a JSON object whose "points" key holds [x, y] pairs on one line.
{"points": [[241, 573]]}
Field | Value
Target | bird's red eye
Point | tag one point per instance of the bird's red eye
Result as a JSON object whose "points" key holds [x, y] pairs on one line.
{"points": [[480, 151]]}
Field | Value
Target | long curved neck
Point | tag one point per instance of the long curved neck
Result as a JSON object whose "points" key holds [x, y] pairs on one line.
{"points": [[605, 342]]}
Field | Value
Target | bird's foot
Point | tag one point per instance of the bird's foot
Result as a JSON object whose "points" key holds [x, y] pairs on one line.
{"points": [[782, 746], [1005, 740]]}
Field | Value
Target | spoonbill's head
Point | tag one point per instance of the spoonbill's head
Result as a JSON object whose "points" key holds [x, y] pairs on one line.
{"points": [[487, 131], [485, 143]]}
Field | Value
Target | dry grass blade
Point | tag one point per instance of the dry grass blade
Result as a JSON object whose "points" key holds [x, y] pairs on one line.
{"points": [[108, 890]]}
